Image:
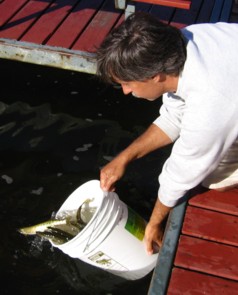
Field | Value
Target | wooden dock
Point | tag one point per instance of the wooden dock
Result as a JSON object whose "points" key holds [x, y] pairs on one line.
{"points": [[65, 34], [200, 248]]}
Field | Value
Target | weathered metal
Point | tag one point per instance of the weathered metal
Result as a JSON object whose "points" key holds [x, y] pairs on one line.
{"points": [[48, 56], [161, 275]]}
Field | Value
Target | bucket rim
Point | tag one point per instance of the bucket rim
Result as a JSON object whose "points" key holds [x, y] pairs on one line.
{"points": [[72, 196]]}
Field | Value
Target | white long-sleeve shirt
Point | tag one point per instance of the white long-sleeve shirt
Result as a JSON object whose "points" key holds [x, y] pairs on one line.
{"points": [[202, 116]]}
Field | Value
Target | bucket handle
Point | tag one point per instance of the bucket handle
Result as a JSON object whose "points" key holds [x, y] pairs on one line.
{"points": [[105, 194]]}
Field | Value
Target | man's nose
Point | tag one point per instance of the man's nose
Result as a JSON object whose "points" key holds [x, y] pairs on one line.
{"points": [[126, 90]]}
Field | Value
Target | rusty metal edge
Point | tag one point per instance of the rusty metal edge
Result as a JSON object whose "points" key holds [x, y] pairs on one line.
{"points": [[48, 55], [163, 268]]}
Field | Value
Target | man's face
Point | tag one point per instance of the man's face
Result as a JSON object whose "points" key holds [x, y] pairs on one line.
{"points": [[150, 89]]}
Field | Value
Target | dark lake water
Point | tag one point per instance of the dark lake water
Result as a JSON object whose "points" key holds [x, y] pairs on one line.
{"points": [[57, 129]]}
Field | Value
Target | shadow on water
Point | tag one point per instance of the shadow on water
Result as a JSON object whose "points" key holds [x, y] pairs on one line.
{"points": [[57, 128]]}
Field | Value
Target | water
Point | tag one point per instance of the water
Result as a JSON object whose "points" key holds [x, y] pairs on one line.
{"points": [[57, 128]]}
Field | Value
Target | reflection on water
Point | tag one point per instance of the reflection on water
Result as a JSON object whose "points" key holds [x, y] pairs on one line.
{"points": [[50, 143]]}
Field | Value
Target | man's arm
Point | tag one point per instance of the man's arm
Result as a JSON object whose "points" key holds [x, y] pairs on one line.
{"points": [[154, 231], [152, 139]]}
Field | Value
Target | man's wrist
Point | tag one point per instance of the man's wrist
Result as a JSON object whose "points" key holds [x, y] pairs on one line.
{"points": [[159, 213]]}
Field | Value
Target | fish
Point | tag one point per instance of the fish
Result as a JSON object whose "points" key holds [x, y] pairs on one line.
{"points": [[61, 233], [55, 235], [47, 235], [31, 230], [63, 229]]}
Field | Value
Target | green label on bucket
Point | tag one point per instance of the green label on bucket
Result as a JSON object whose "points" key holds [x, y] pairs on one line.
{"points": [[135, 224]]}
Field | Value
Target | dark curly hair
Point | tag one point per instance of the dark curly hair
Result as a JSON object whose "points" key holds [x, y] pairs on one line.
{"points": [[140, 48]]}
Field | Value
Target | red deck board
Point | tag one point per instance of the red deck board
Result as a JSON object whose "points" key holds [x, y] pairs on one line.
{"points": [[8, 8], [74, 24], [226, 202], [98, 28], [49, 22], [80, 24], [107, 18], [211, 225], [207, 257], [189, 282], [23, 19]]}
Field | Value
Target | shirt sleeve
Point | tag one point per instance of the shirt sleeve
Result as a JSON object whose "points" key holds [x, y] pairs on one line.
{"points": [[171, 113], [204, 132]]}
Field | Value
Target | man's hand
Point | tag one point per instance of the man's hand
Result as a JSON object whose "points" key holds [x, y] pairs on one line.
{"points": [[149, 141], [153, 238], [154, 229], [111, 173]]}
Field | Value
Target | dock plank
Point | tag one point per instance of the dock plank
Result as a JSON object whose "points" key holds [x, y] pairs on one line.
{"points": [[226, 202], [65, 34], [182, 18], [205, 12], [23, 19], [98, 28], [226, 11], [190, 282], [207, 257], [165, 14], [217, 10], [84, 11], [9, 8], [49, 21], [214, 226]]}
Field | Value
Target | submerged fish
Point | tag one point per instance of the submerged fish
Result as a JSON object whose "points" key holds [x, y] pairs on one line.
{"points": [[52, 237], [56, 235], [64, 229], [31, 230]]}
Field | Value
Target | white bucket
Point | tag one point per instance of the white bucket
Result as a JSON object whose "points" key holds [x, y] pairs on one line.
{"points": [[113, 238]]}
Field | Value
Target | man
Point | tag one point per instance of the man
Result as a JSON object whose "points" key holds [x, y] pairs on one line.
{"points": [[196, 71]]}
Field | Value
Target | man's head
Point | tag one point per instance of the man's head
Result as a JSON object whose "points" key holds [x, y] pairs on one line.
{"points": [[139, 49]]}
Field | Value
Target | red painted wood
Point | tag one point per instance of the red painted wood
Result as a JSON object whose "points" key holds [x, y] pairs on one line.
{"points": [[75, 23], [48, 23], [98, 28], [194, 283], [207, 224], [207, 257], [226, 202], [185, 4], [8, 8], [23, 19], [106, 19]]}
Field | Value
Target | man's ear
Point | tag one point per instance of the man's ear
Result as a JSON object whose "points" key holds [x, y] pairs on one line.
{"points": [[159, 78]]}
